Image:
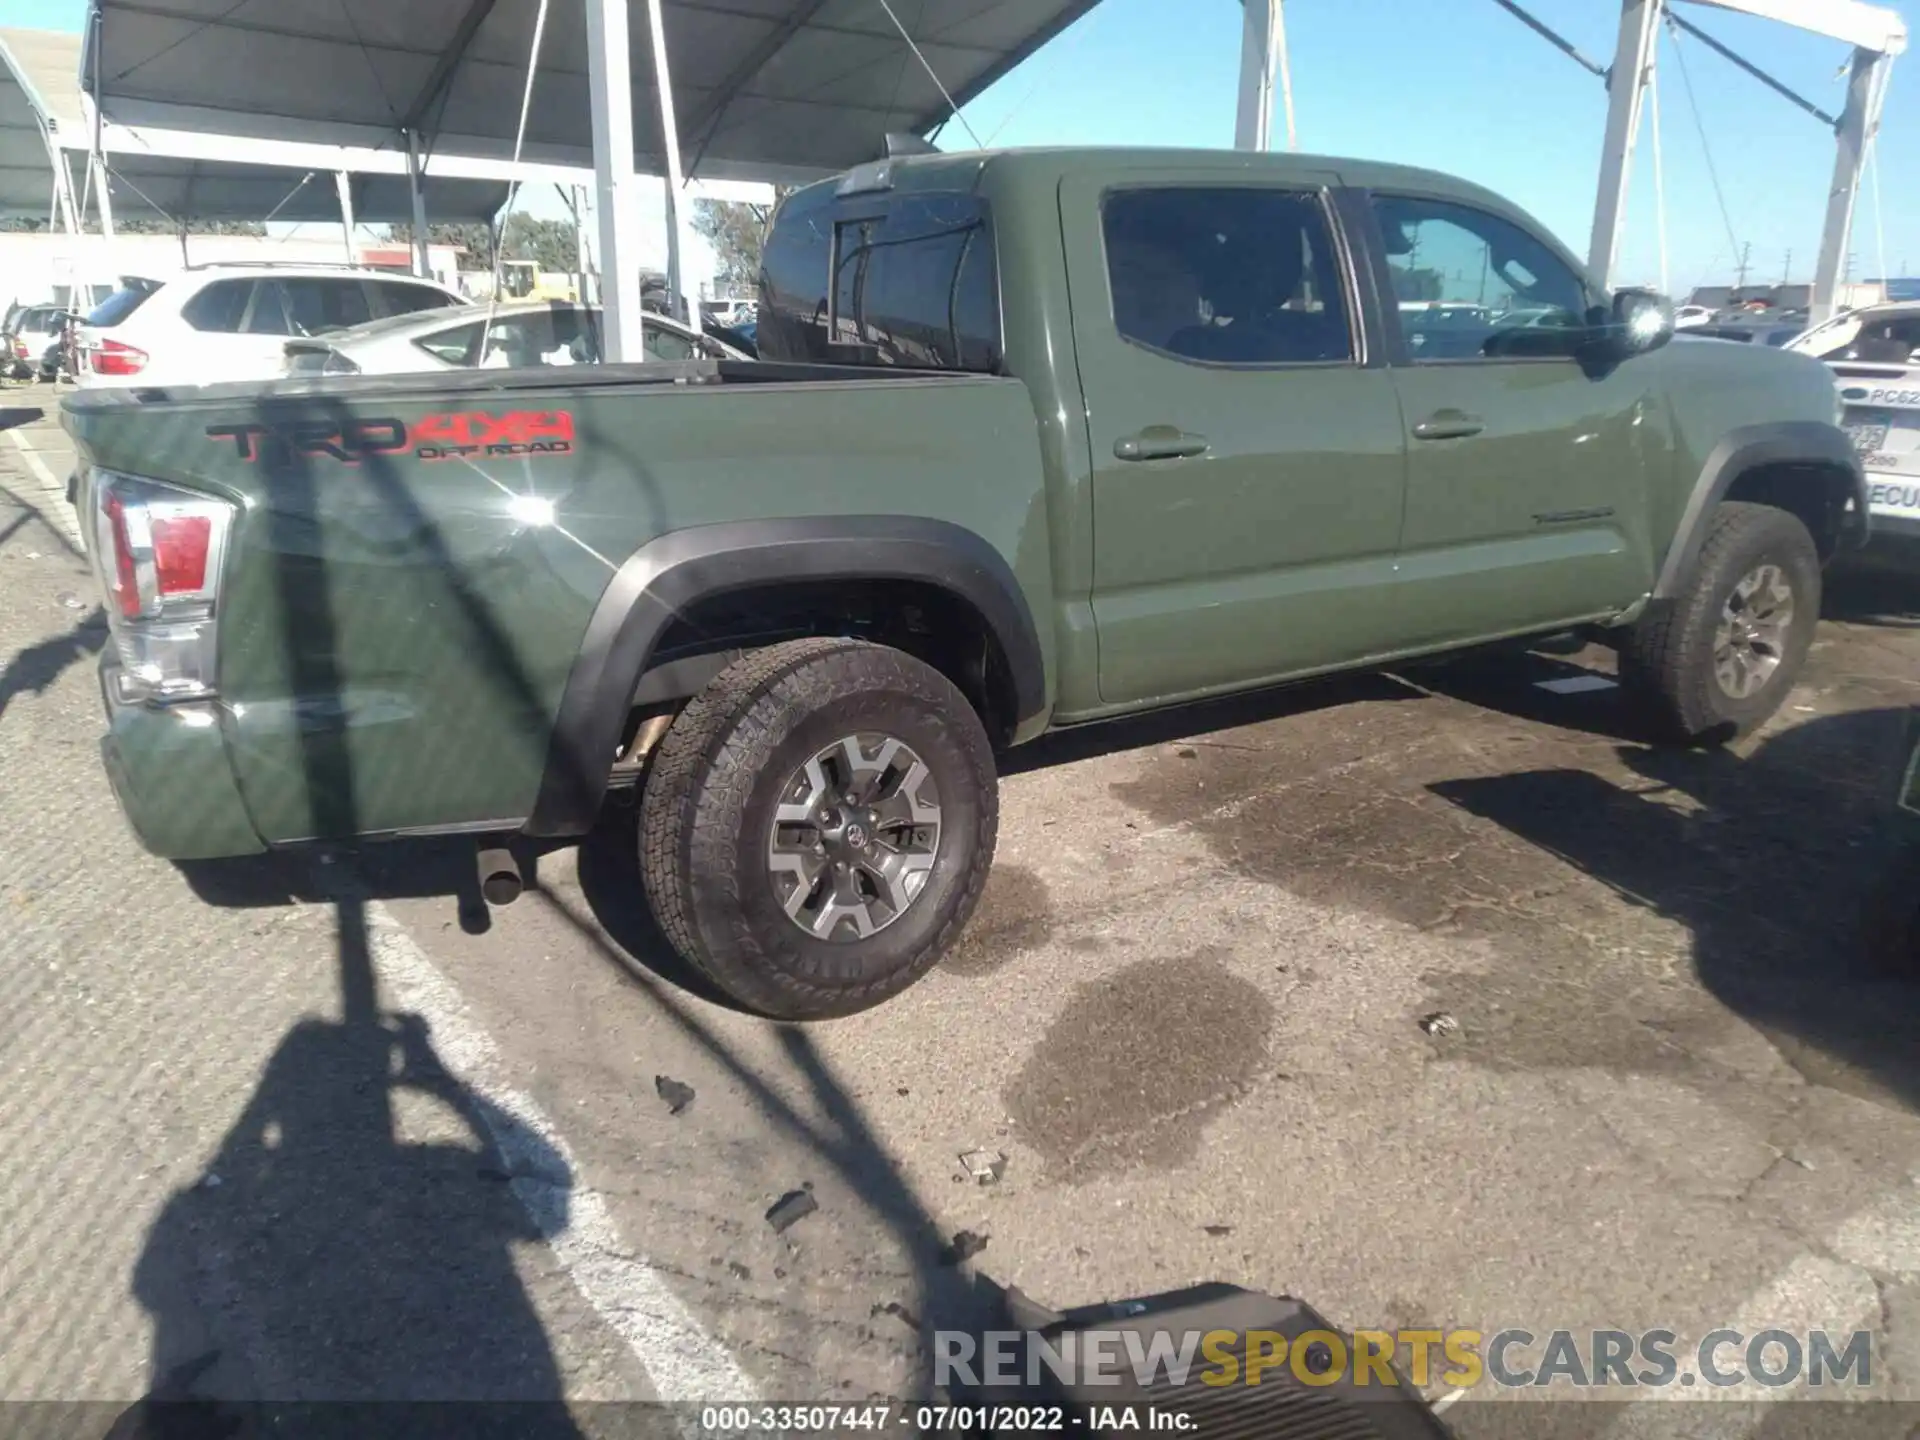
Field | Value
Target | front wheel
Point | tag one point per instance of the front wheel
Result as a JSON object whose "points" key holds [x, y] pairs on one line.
{"points": [[1719, 659], [817, 826]]}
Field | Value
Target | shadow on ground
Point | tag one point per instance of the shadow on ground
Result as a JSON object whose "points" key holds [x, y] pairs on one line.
{"points": [[1771, 861]]}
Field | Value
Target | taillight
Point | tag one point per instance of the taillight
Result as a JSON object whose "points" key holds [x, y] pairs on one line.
{"points": [[112, 357], [159, 557]]}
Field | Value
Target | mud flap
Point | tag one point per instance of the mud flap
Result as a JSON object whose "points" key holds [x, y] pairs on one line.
{"points": [[1279, 1405]]}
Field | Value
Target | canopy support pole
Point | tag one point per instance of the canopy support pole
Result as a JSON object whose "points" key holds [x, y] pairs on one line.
{"points": [[63, 190], [343, 185], [1866, 92], [670, 144], [422, 259], [102, 201], [1626, 89], [610, 91], [1259, 52]]}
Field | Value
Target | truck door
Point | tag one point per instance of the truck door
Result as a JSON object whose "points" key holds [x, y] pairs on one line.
{"points": [[1248, 456], [1526, 472]]}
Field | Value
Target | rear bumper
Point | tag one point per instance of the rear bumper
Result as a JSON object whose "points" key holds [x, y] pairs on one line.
{"points": [[169, 770]]}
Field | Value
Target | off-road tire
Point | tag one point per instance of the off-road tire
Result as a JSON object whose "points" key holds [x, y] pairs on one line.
{"points": [[1667, 660], [709, 801]]}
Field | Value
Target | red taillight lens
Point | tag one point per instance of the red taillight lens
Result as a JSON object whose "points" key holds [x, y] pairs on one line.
{"points": [[110, 357], [180, 545], [124, 587]]}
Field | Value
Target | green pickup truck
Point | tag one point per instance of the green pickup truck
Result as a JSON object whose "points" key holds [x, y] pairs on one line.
{"points": [[1036, 438]]}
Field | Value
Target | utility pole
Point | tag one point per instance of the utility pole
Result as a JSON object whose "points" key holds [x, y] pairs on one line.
{"points": [[1746, 253], [1786, 270]]}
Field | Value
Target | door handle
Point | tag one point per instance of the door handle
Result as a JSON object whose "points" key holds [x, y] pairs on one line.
{"points": [[1448, 425], [1160, 442]]}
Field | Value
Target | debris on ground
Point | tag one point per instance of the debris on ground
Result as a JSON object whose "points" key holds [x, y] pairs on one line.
{"points": [[903, 1091], [898, 1311], [1439, 1023], [790, 1209], [984, 1167], [677, 1095], [1217, 1230], [1187, 752], [965, 1246], [738, 1271], [210, 1181], [71, 601]]}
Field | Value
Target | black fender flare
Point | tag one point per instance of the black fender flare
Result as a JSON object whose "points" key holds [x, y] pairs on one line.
{"points": [[1806, 442], [674, 571]]}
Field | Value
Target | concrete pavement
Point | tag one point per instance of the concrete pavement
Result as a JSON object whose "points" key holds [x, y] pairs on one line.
{"points": [[1188, 1014]]}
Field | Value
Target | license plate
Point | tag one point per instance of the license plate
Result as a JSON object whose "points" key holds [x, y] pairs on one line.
{"points": [[1868, 430]]}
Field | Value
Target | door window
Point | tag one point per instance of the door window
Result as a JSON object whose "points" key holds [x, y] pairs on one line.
{"points": [[1227, 275], [219, 307], [318, 305], [1474, 286], [268, 314]]}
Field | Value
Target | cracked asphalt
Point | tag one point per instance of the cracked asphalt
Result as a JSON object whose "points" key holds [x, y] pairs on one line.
{"points": [[1188, 1014]]}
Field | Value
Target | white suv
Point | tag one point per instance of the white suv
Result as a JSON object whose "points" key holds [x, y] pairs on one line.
{"points": [[214, 323], [1875, 355]]}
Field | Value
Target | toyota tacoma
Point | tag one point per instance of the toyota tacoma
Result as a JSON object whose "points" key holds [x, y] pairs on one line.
{"points": [[1035, 439]]}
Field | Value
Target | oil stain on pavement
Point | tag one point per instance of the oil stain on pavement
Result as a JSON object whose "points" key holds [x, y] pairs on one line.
{"points": [[1136, 1065], [1015, 914]]}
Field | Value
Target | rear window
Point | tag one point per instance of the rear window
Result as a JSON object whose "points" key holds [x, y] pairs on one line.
{"points": [[118, 307], [906, 279]]}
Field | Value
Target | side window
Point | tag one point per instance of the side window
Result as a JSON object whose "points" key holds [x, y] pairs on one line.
{"points": [[317, 305], [219, 307], [664, 344], [269, 314], [520, 342], [915, 286], [455, 346], [1228, 275], [1474, 286], [397, 298]]}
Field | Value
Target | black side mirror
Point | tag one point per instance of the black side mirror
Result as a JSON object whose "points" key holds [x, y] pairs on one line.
{"points": [[1639, 322]]}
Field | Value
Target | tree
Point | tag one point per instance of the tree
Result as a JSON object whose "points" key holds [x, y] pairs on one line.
{"points": [[738, 232], [33, 225]]}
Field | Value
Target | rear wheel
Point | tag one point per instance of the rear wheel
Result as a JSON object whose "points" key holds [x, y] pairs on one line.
{"points": [[1719, 659], [817, 826]]}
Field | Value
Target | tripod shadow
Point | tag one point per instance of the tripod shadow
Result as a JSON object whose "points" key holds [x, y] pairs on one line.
{"points": [[350, 1244]]}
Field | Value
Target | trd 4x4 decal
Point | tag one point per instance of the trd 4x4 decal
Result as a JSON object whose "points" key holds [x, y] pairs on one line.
{"points": [[432, 437]]}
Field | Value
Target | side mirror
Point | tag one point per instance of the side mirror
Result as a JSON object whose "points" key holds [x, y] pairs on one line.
{"points": [[1640, 321]]}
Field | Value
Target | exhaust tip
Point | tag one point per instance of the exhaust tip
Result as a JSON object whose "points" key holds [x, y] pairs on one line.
{"points": [[500, 881]]}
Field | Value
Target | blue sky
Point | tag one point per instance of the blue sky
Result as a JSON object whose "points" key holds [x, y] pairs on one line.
{"points": [[1460, 85]]}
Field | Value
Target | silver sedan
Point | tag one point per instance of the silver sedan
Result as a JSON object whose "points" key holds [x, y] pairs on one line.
{"points": [[526, 333]]}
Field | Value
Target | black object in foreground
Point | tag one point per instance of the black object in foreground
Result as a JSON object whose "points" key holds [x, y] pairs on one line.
{"points": [[789, 1209], [677, 1095]]}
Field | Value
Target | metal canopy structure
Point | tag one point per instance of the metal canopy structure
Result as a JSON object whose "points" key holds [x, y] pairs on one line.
{"points": [[46, 139], [763, 89], [1876, 35]]}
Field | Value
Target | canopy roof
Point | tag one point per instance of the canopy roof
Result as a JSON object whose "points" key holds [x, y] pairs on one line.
{"points": [[41, 101], [764, 89]]}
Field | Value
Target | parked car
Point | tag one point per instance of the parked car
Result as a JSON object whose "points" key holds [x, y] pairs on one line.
{"points": [[1688, 316], [1178, 444], [214, 323], [35, 338], [1875, 355], [474, 337]]}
